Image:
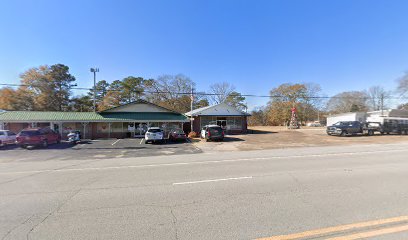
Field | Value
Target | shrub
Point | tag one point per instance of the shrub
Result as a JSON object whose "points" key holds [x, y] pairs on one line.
{"points": [[192, 135]]}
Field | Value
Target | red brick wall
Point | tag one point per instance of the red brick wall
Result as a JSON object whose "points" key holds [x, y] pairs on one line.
{"points": [[16, 127]]}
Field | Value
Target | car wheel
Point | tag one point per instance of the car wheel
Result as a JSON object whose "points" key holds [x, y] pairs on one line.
{"points": [[343, 134], [45, 143], [370, 132]]}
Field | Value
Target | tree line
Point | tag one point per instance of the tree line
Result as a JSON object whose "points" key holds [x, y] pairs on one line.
{"points": [[50, 88], [312, 105]]}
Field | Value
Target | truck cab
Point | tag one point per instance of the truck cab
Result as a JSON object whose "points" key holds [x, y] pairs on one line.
{"points": [[7, 137]]}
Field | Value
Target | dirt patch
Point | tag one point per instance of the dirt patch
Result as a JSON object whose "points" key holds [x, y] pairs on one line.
{"points": [[280, 137]]}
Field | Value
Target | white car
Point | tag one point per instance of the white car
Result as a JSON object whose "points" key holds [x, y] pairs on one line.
{"points": [[154, 134], [7, 137], [314, 124]]}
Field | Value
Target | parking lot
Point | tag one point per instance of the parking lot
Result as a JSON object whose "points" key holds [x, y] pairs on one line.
{"points": [[260, 138], [97, 149]]}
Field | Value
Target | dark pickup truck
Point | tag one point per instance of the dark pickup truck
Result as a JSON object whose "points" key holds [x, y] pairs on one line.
{"points": [[353, 128]]}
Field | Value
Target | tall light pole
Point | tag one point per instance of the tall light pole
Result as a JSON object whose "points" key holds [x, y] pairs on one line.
{"points": [[94, 71], [191, 108]]}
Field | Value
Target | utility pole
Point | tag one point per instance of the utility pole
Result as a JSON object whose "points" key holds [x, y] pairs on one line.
{"points": [[382, 104], [94, 71], [191, 108]]}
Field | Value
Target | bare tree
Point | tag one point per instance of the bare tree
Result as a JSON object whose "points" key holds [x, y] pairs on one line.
{"points": [[348, 101], [173, 92], [377, 98], [221, 92]]}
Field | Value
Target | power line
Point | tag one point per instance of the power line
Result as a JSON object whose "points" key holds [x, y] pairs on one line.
{"points": [[215, 94]]}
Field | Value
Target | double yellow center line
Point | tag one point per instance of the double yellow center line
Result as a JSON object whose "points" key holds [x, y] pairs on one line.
{"points": [[355, 226]]}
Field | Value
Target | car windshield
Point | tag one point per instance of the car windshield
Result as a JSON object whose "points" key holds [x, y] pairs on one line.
{"points": [[215, 130], [154, 130], [29, 133], [340, 123]]}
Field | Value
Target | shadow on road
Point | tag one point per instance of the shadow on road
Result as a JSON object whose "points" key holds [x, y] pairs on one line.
{"points": [[58, 146], [251, 131], [233, 139]]}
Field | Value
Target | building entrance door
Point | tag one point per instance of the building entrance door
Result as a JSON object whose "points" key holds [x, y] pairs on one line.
{"points": [[141, 129], [222, 124]]}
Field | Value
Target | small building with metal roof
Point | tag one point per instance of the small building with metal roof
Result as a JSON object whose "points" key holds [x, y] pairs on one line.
{"points": [[129, 120], [232, 120]]}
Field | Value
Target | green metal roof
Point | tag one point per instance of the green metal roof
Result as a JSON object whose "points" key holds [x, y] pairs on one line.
{"points": [[35, 116], [145, 116]]}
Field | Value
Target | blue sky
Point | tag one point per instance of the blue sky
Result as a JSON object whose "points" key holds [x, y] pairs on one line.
{"points": [[255, 45]]}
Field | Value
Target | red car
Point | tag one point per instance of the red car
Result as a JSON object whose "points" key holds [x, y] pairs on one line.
{"points": [[37, 137], [177, 135]]}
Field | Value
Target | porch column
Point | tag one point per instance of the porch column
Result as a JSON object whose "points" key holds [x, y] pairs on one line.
{"points": [[60, 128], [109, 124], [2, 125], [123, 132], [84, 124]]}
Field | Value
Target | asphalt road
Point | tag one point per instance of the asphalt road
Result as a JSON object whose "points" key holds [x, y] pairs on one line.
{"points": [[316, 193]]}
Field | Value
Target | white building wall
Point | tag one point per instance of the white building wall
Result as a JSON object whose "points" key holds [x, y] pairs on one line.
{"points": [[359, 116]]}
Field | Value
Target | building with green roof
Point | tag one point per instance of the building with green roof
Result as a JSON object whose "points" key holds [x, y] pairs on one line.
{"points": [[129, 120]]}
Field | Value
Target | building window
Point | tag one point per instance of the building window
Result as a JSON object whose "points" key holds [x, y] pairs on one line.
{"points": [[234, 123], [207, 120]]}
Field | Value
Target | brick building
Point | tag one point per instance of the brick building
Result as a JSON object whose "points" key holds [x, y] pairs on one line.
{"points": [[224, 115], [129, 120]]}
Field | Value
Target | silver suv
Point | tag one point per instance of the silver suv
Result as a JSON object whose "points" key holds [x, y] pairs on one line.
{"points": [[154, 134]]}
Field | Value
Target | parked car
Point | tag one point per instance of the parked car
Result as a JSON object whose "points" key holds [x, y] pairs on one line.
{"points": [[7, 137], [314, 124], [32, 137], [212, 132], [154, 134], [177, 135]]}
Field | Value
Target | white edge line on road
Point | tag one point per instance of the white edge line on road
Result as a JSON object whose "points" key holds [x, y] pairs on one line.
{"points": [[212, 180], [201, 162], [141, 141], [115, 142]]}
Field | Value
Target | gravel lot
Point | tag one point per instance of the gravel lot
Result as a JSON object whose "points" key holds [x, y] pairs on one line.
{"points": [[281, 137]]}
